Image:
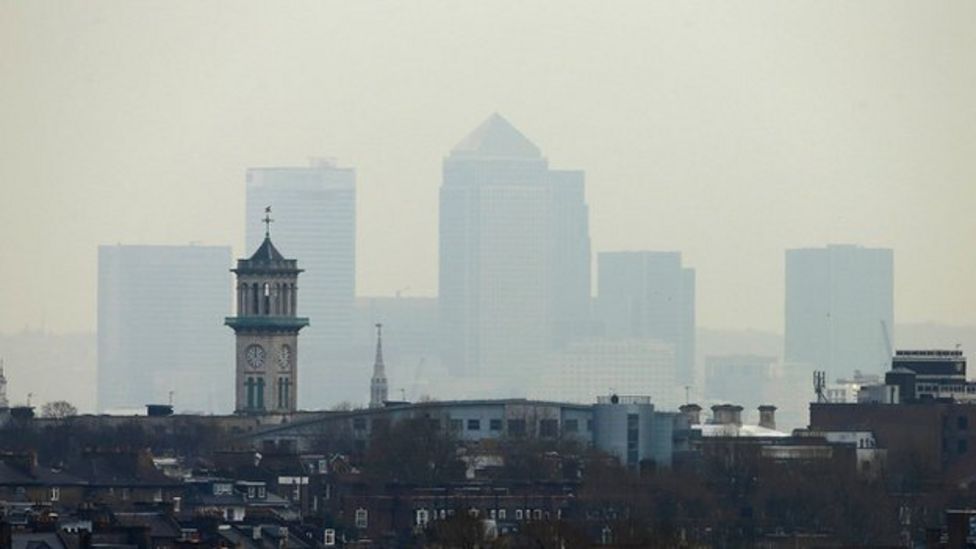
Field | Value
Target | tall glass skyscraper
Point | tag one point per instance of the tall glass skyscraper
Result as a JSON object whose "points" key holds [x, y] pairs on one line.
{"points": [[314, 212], [160, 316], [839, 309], [514, 257]]}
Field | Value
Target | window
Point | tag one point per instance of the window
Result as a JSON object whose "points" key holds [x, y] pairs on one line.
{"points": [[492, 514], [548, 428], [537, 515], [251, 492], [474, 424], [962, 446], [632, 439], [55, 493], [456, 424], [359, 423], [518, 514], [329, 538], [262, 492], [362, 518], [571, 425], [158, 495], [516, 426], [495, 424], [589, 425], [501, 514], [962, 423], [423, 517]]}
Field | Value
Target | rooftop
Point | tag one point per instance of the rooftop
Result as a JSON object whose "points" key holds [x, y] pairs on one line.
{"points": [[496, 137]]}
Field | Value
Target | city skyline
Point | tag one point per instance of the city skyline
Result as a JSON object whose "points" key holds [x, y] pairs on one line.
{"points": [[718, 131]]}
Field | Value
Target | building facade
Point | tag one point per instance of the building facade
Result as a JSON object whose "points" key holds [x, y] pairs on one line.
{"points": [[839, 309], [649, 295], [316, 209], [266, 329], [514, 257], [159, 334]]}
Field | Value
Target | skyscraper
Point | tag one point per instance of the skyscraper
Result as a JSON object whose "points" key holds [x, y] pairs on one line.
{"points": [[315, 212], [160, 310], [839, 309], [514, 256], [650, 295]]}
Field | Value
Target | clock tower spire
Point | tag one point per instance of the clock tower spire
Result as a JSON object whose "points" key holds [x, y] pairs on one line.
{"points": [[266, 327]]}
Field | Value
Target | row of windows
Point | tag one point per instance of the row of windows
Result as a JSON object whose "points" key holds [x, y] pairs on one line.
{"points": [[54, 493], [936, 388], [547, 427], [424, 516], [254, 393]]}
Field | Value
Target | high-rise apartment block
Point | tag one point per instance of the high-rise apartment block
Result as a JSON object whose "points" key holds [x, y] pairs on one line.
{"points": [[315, 211], [839, 309], [650, 295], [514, 256], [160, 310]]}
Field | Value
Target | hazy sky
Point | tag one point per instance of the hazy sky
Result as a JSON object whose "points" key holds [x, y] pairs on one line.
{"points": [[727, 130]]}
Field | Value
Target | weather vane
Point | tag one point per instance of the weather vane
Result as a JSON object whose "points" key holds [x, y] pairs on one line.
{"points": [[267, 222]]}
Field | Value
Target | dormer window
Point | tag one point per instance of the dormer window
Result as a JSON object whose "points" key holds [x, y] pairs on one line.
{"points": [[222, 489]]}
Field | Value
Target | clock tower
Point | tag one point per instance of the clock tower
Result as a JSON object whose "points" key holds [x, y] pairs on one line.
{"points": [[266, 327]]}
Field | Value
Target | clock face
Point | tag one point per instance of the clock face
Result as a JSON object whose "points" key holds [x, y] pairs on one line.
{"points": [[254, 355], [284, 357]]}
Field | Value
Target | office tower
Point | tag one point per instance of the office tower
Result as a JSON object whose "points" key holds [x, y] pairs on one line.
{"points": [[839, 309], [160, 310], [650, 295], [315, 220], [266, 331], [514, 256]]}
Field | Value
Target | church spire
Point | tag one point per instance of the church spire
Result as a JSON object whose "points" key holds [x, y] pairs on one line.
{"points": [[377, 385], [267, 222], [3, 387]]}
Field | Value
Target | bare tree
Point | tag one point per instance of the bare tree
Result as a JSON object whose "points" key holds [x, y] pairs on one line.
{"points": [[59, 409]]}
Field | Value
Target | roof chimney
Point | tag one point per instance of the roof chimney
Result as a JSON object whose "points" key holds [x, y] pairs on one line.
{"points": [[692, 413], [767, 416], [727, 414]]}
